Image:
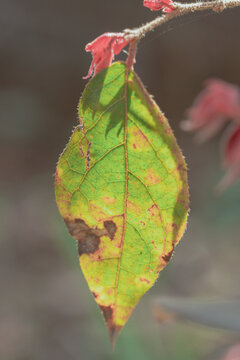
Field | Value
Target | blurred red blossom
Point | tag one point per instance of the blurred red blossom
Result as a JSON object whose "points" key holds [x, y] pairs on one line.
{"points": [[233, 353], [103, 49], [156, 5], [231, 159], [217, 104]]}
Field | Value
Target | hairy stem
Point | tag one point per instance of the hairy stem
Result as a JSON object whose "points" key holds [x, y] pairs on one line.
{"points": [[181, 9], [132, 54]]}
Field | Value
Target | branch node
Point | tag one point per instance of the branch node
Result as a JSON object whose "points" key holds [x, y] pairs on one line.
{"points": [[219, 7]]}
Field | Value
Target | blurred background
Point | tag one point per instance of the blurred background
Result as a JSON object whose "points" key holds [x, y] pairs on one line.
{"points": [[46, 310]]}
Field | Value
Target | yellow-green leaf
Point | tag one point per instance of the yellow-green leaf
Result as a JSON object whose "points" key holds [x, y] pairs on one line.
{"points": [[121, 187]]}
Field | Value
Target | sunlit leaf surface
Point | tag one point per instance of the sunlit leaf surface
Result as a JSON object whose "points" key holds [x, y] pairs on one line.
{"points": [[121, 187]]}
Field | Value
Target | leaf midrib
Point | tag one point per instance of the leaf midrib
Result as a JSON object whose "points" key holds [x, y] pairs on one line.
{"points": [[126, 191]]}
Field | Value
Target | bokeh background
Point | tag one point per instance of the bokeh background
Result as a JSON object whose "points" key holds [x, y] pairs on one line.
{"points": [[46, 310]]}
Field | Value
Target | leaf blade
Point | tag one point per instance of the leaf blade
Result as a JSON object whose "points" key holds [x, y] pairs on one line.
{"points": [[125, 198]]}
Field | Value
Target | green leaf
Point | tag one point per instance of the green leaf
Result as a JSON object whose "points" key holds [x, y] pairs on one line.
{"points": [[121, 187]]}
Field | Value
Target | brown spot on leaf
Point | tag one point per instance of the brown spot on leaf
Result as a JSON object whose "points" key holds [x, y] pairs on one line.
{"points": [[94, 294], [145, 280], [181, 167], [152, 209], [140, 140], [134, 146], [57, 178], [152, 178], [111, 228], [107, 312], [109, 200], [155, 215], [167, 256]]}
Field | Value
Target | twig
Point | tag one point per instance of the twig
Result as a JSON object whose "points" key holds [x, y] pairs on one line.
{"points": [[181, 9]]}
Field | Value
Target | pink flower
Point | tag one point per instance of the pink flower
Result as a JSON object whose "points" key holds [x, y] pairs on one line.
{"points": [[218, 103], [156, 5], [103, 49], [231, 158]]}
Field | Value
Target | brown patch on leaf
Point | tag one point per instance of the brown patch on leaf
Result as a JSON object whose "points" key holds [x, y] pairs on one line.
{"points": [[111, 228], [88, 239], [167, 256]]}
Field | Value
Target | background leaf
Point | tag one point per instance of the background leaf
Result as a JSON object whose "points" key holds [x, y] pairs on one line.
{"points": [[223, 314], [121, 187]]}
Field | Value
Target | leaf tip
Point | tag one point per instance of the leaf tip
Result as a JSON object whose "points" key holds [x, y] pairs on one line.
{"points": [[113, 329], [113, 333]]}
